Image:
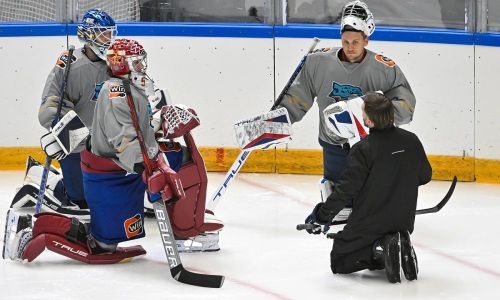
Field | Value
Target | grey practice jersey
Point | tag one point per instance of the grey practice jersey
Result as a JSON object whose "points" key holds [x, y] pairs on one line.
{"points": [[113, 135], [84, 81], [327, 79]]}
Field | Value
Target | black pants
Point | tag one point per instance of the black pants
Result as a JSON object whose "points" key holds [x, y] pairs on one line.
{"points": [[352, 262]]}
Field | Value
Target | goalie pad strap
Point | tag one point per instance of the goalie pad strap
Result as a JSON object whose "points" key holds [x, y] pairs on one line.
{"points": [[68, 228]]}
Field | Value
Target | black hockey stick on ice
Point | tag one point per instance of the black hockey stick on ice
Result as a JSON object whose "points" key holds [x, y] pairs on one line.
{"points": [[48, 159], [177, 270], [434, 209], [245, 153]]}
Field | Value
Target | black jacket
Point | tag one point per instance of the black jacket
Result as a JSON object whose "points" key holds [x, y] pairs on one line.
{"points": [[383, 174]]}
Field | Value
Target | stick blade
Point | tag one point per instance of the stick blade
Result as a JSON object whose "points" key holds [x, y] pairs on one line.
{"points": [[182, 275], [442, 203]]}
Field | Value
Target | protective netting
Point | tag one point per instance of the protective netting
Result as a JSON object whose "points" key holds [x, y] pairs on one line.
{"points": [[65, 11]]}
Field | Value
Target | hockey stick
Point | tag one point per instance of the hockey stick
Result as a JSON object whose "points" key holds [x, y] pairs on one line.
{"points": [[244, 154], [48, 159], [294, 75], [434, 209], [177, 271]]}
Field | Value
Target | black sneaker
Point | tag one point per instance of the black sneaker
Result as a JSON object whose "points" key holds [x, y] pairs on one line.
{"points": [[391, 256], [408, 257]]}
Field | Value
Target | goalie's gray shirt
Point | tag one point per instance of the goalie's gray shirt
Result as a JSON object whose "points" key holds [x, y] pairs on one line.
{"points": [[82, 87], [328, 79], [113, 135]]}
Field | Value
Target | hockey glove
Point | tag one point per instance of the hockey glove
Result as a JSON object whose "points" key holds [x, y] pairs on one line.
{"points": [[51, 147], [65, 136], [313, 219], [165, 181]]}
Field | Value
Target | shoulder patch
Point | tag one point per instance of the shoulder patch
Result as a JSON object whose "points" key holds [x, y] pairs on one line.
{"points": [[322, 50], [116, 91], [62, 61], [385, 60]]}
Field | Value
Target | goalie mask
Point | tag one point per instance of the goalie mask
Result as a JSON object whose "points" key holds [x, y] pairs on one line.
{"points": [[127, 58], [356, 14], [98, 30]]}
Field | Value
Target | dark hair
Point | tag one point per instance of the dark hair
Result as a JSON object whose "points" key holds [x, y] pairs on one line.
{"points": [[379, 109]]}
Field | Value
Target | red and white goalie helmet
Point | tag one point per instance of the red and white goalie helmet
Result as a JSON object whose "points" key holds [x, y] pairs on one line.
{"points": [[126, 56], [357, 15]]}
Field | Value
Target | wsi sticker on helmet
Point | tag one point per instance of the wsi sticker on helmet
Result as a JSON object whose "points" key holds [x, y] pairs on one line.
{"points": [[62, 61], [116, 91]]}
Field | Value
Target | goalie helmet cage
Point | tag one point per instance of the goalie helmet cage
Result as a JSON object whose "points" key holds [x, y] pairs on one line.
{"points": [[63, 11]]}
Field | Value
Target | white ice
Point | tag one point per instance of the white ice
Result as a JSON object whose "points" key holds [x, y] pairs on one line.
{"points": [[263, 256]]}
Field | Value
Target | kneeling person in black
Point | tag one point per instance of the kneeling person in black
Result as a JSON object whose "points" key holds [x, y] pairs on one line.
{"points": [[384, 171]]}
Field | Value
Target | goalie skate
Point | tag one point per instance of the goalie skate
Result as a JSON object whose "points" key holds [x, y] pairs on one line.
{"points": [[205, 242], [18, 232]]}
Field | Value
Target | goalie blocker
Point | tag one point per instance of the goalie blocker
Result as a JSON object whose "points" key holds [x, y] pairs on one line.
{"points": [[65, 136]]}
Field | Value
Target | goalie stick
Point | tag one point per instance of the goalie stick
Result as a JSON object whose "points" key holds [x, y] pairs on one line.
{"points": [[434, 209], [177, 271], [245, 153], [48, 159]]}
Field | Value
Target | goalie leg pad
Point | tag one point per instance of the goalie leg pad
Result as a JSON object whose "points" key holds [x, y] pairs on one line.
{"points": [[69, 237], [327, 187], [188, 216]]}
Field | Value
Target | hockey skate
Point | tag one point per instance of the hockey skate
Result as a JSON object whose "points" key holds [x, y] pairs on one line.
{"points": [[408, 257], [204, 242], [386, 254], [54, 200], [18, 232]]}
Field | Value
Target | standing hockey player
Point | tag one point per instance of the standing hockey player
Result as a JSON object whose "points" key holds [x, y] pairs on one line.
{"points": [[337, 74], [383, 173], [88, 71]]}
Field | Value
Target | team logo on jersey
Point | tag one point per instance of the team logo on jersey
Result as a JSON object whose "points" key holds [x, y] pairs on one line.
{"points": [[97, 90], [62, 61], [385, 60], [133, 226], [344, 91], [116, 91]]}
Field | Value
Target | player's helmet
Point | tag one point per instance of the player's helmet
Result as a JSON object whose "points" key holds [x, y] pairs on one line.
{"points": [[98, 30], [125, 57], [357, 15]]}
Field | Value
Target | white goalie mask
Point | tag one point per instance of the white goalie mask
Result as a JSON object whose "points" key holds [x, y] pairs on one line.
{"points": [[357, 15]]}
